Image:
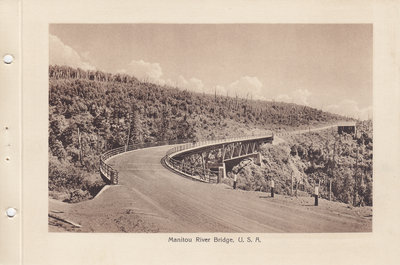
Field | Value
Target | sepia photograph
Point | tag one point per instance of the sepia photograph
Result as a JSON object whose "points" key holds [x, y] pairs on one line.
{"points": [[210, 128]]}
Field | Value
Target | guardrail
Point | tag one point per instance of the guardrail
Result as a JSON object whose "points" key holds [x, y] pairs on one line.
{"points": [[111, 173], [197, 172]]}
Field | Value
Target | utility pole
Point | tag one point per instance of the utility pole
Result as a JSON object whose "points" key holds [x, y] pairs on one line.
{"points": [[291, 192], [97, 140], [362, 175], [355, 180], [332, 170], [80, 146], [129, 133], [236, 103]]}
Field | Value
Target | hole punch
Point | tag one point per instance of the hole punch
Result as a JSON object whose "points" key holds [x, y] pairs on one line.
{"points": [[8, 59], [8, 159], [11, 212]]}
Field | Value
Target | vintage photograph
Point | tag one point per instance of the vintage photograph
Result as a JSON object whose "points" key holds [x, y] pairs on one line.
{"points": [[210, 128]]}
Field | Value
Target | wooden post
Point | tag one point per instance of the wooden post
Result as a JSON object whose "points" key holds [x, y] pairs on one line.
{"points": [[220, 174], [115, 178], [316, 194], [291, 190], [272, 187], [203, 162], [330, 189], [258, 159], [112, 177]]}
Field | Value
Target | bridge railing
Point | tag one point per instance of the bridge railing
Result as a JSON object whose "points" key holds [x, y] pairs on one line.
{"points": [[191, 145], [111, 173], [199, 172], [207, 175]]}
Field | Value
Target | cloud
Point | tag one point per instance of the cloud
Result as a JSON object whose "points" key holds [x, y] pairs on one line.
{"points": [[62, 54], [121, 71], [144, 71], [299, 96], [346, 107], [195, 84], [169, 82], [192, 84], [152, 72], [247, 86], [283, 98], [85, 55], [350, 108]]}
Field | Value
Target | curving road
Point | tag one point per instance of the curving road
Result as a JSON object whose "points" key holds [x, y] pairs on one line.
{"points": [[151, 198]]}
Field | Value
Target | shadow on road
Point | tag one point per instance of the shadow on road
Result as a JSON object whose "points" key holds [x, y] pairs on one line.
{"points": [[265, 197]]}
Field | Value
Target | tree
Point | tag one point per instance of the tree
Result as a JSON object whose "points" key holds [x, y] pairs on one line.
{"points": [[136, 128], [164, 123]]}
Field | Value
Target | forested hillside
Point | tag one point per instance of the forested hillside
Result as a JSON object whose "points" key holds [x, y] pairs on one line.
{"points": [[326, 157], [91, 112]]}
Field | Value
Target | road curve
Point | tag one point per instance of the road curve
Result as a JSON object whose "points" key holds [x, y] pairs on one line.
{"points": [[151, 198], [177, 204]]}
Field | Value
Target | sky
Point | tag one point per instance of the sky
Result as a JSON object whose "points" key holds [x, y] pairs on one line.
{"points": [[327, 66]]}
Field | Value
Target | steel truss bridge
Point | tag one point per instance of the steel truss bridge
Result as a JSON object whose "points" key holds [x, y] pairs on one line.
{"points": [[208, 161]]}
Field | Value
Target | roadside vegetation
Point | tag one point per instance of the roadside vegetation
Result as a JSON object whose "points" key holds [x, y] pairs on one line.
{"points": [[341, 164], [92, 111]]}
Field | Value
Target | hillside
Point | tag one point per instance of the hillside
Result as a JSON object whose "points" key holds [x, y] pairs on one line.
{"points": [[323, 157], [91, 112]]}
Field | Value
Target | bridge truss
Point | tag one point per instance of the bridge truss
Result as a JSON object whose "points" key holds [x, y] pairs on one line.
{"points": [[207, 161]]}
